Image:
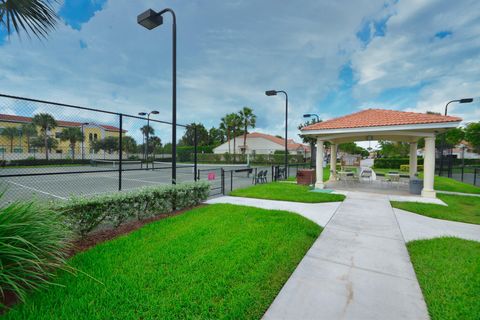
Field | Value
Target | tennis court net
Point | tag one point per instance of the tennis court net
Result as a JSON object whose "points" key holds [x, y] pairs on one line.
{"points": [[115, 164]]}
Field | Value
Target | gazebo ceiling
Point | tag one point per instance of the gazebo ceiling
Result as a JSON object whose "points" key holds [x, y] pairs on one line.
{"points": [[380, 124]]}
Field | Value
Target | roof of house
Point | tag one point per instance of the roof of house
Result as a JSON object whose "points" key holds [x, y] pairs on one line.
{"points": [[291, 144], [61, 123], [379, 118]]}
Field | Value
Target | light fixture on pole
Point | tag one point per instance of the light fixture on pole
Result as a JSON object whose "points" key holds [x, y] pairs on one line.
{"points": [[147, 133], [150, 20], [274, 93], [464, 100], [83, 138], [309, 115]]}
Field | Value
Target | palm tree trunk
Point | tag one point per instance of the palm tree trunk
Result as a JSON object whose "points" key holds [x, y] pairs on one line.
{"points": [[72, 147], [245, 140], [234, 142], [46, 147], [28, 143], [11, 145], [228, 139]]}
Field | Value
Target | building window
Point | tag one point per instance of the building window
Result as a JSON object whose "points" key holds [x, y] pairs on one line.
{"points": [[95, 137], [58, 151], [1, 129], [2, 150], [90, 136], [17, 150], [58, 134]]}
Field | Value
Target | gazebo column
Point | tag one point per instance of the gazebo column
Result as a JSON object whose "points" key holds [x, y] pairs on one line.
{"points": [[429, 168], [319, 164], [333, 162], [413, 159]]}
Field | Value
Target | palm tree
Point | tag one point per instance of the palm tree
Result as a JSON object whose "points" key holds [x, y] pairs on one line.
{"points": [[236, 123], [129, 145], [72, 135], [10, 133], [225, 127], [249, 120], [29, 130], [36, 16], [146, 132], [46, 122]]}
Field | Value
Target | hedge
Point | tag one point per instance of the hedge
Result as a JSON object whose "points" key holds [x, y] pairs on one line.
{"points": [[393, 163], [406, 167], [87, 213], [41, 162]]}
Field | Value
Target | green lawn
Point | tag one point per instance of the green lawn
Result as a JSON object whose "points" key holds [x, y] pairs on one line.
{"points": [[286, 192], [442, 183], [460, 208], [448, 270], [216, 261]]}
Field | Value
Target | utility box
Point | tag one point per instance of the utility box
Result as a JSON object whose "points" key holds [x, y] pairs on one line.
{"points": [[306, 176], [416, 185]]}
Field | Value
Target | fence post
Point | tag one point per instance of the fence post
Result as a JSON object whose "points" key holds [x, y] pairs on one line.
{"points": [[222, 180], [475, 176], [195, 143], [255, 176], [462, 173], [273, 175], [120, 153], [231, 180]]}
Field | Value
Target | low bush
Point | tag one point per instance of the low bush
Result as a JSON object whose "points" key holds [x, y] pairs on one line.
{"points": [[43, 162], [387, 163], [87, 213], [33, 240], [406, 167]]}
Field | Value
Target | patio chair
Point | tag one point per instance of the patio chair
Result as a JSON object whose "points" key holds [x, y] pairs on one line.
{"points": [[366, 174], [263, 178]]}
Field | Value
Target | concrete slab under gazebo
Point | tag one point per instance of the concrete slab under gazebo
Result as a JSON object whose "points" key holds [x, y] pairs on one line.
{"points": [[380, 124]]}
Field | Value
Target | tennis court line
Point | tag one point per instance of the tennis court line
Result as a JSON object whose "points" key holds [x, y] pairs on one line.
{"points": [[34, 189]]}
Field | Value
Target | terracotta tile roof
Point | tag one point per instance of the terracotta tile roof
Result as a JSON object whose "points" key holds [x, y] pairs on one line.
{"points": [[380, 117], [61, 123], [291, 144]]}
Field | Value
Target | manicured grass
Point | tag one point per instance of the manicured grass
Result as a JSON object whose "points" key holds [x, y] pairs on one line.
{"points": [[448, 272], [460, 208], [286, 192], [442, 183], [217, 261]]}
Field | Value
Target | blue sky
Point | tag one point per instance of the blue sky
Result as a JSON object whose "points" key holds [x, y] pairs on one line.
{"points": [[333, 58]]}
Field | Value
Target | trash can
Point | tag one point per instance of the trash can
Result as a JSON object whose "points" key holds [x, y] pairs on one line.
{"points": [[306, 176], [416, 185]]}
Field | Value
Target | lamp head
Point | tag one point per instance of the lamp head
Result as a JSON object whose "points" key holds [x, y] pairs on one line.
{"points": [[154, 112], [142, 113], [150, 19], [307, 115], [271, 92], [466, 100]]}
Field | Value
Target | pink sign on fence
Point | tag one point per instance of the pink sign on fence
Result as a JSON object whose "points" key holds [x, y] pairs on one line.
{"points": [[211, 176]]}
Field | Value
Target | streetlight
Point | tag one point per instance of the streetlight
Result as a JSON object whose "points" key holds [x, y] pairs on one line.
{"points": [[464, 100], [312, 144], [83, 139], [274, 93], [147, 135], [150, 20]]}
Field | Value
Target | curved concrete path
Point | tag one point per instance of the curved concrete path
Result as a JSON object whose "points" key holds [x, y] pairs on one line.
{"points": [[358, 268]]}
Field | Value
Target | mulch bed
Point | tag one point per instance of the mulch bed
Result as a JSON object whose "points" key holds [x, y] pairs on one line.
{"points": [[95, 238]]}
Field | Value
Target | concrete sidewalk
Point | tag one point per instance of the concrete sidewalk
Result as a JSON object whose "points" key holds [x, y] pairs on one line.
{"points": [[358, 268]]}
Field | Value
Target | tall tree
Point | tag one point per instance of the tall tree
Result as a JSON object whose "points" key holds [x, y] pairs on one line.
{"points": [[236, 123], [72, 135], [188, 138], [248, 119], [129, 145], [108, 144], [472, 135], [46, 122], [154, 143], [216, 136], [35, 16], [29, 131], [225, 125], [11, 133]]}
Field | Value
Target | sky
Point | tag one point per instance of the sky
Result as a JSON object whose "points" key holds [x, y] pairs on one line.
{"points": [[332, 57]]}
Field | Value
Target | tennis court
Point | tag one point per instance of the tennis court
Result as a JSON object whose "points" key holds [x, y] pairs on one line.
{"points": [[62, 182]]}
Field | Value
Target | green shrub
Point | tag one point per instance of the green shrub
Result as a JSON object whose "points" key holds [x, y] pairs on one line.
{"points": [[87, 213], [33, 240], [406, 167], [393, 163]]}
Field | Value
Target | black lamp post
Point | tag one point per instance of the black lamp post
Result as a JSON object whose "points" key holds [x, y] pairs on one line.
{"points": [[147, 135], [464, 100], [83, 139], [274, 93], [150, 20], [312, 145]]}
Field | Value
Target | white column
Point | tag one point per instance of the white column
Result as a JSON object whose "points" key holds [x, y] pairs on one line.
{"points": [[413, 159], [319, 166], [429, 168], [333, 162]]}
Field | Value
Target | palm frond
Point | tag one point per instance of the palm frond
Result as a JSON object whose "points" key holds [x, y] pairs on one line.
{"points": [[30, 16]]}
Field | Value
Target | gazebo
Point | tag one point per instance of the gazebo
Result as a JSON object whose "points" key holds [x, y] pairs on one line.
{"points": [[381, 124]]}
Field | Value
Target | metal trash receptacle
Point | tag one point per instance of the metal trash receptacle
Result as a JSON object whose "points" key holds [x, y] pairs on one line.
{"points": [[416, 186]]}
